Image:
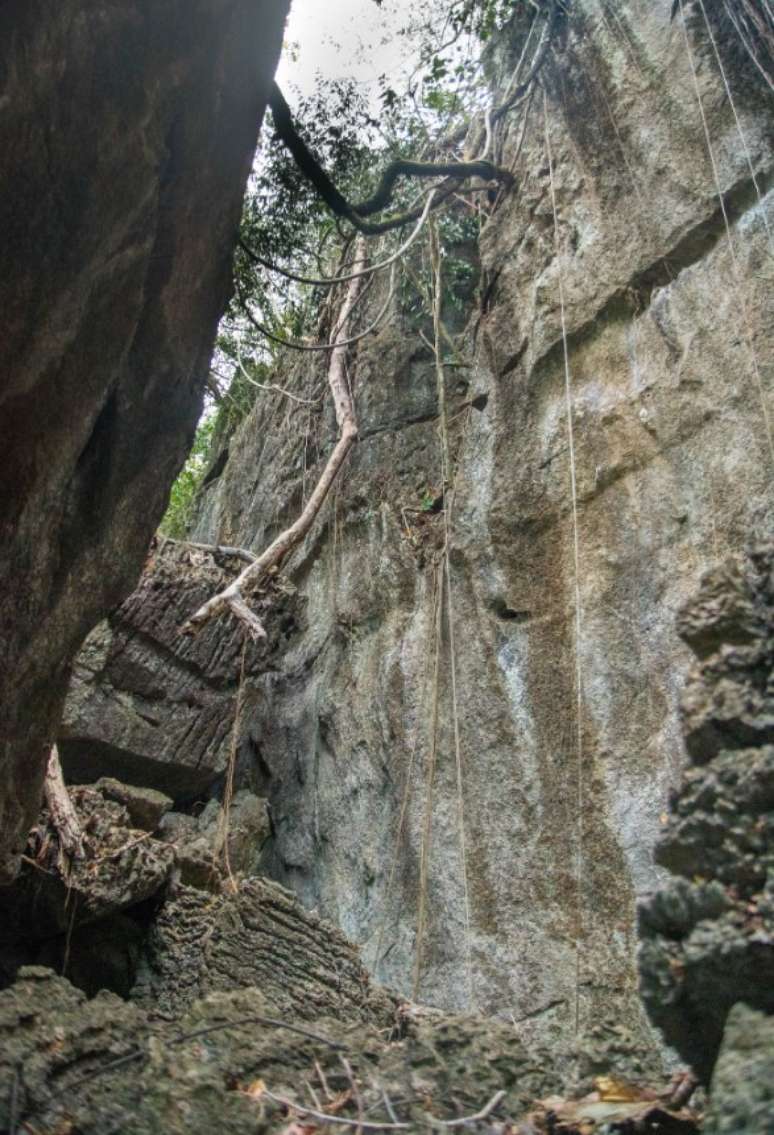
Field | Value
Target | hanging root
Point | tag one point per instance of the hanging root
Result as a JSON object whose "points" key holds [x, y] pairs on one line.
{"points": [[232, 598], [580, 855], [749, 22]]}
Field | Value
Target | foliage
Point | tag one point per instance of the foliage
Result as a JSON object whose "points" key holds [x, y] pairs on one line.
{"points": [[450, 38], [284, 219], [285, 222], [179, 514]]}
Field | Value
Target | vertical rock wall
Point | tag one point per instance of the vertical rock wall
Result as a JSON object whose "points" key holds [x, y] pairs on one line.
{"points": [[126, 135], [669, 345]]}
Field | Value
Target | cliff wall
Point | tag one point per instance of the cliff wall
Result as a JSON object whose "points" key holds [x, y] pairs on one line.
{"points": [[126, 135], [650, 249]]}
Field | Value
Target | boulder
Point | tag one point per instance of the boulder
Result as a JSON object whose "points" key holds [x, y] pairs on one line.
{"points": [[145, 806], [209, 845], [230, 1063], [258, 935], [154, 707], [742, 1096], [121, 868]]}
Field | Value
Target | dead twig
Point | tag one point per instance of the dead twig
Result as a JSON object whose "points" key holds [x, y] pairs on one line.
{"points": [[126, 847], [484, 1113], [272, 1022], [343, 1121], [684, 1087], [355, 1091], [220, 550], [63, 817], [140, 1053]]}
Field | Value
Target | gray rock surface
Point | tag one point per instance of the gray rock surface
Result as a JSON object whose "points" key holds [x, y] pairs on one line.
{"points": [[261, 936], [742, 1097], [155, 708], [212, 844], [708, 937], [126, 139], [102, 1066], [663, 309], [673, 471], [145, 806]]}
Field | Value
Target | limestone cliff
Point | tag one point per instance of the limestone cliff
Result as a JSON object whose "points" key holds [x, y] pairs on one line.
{"points": [[127, 131], [659, 270]]}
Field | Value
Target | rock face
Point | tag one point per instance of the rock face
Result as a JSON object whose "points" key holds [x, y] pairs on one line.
{"points": [[126, 137], [709, 936], [742, 1101], [155, 708], [669, 342], [673, 470]]}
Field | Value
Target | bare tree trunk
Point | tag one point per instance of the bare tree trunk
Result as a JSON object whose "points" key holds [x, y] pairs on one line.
{"points": [[232, 598], [62, 813]]}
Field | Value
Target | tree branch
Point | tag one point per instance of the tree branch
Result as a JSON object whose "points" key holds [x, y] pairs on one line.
{"points": [[381, 198], [232, 597]]}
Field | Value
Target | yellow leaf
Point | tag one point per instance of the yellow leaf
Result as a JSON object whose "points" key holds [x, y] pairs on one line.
{"points": [[616, 1091], [255, 1090]]}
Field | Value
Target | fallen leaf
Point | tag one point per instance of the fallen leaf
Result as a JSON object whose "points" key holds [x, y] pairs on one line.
{"points": [[612, 1090]]}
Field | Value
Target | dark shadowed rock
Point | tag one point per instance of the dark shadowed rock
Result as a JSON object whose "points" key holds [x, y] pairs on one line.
{"points": [[708, 936], [122, 867], [92, 924], [201, 842], [126, 136]]}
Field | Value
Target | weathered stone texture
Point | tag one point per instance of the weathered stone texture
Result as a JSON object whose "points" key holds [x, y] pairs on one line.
{"points": [[126, 137], [102, 1066], [121, 867], [673, 471], [259, 936], [742, 1098], [155, 707], [708, 937]]}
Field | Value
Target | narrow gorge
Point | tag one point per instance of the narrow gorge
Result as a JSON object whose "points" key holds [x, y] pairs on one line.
{"points": [[484, 814]]}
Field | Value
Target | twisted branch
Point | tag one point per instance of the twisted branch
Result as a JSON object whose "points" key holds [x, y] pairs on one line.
{"points": [[232, 598], [381, 198]]}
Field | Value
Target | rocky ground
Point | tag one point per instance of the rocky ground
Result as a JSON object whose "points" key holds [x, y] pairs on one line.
{"points": [[163, 985], [198, 997]]}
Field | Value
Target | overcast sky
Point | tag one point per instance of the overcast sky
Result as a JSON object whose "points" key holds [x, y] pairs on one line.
{"points": [[341, 38]]}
